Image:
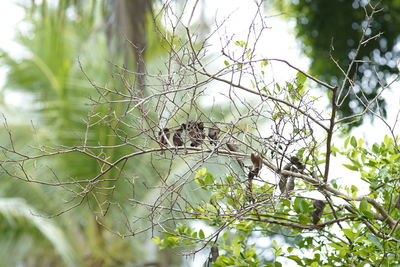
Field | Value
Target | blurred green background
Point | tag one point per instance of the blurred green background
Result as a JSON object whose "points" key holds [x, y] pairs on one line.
{"points": [[55, 37]]}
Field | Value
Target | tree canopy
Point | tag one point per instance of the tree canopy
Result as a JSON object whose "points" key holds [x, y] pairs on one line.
{"points": [[329, 31]]}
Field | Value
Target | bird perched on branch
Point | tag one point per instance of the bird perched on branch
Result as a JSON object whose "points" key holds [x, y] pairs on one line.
{"points": [[290, 184], [214, 253], [296, 166], [257, 165], [213, 135], [296, 162], [163, 138], [177, 138], [319, 207], [196, 133], [283, 177], [235, 147]]}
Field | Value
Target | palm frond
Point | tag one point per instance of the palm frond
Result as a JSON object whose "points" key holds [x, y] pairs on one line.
{"points": [[19, 214]]}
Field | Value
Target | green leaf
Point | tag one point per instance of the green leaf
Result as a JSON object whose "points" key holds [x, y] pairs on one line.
{"points": [[297, 205], [353, 141], [226, 62], [200, 182], [295, 258], [375, 148], [360, 142], [349, 233], [351, 167], [209, 178], [201, 234], [264, 63], [394, 157], [241, 43], [300, 79], [300, 153], [236, 247], [156, 240], [335, 149], [363, 205], [336, 246], [278, 252], [200, 173], [369, 214], [304, 206], [374, 240], [388, 141], [346, 142], [354, 189], [365, 209], [248, 54], [304, 219], [171, 241], [199, 176], [229, 179], [245, 226]]}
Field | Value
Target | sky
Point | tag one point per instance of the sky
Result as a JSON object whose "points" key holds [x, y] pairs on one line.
{"points": [[10, 15]]}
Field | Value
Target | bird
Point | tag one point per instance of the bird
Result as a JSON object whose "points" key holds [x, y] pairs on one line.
{"points": [[319, 206], [296, 162], [290, 184], [196, 133], [163, 137], [200, 125], [254, 171], [213, 135], [283, 177], [177, 138], [235, 147], [256, 167], [214, 253]]}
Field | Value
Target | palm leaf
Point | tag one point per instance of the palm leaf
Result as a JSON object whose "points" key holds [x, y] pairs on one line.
{"points": [[19, 214]]}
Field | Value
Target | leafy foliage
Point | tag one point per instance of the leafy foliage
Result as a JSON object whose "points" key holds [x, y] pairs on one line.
{"points": [[360, 233], [331, 29], [19, 215]]}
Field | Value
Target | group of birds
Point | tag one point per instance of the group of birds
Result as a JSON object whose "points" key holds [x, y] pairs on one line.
{"points": [[286, 184], [195, 132], [294, 165]]}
